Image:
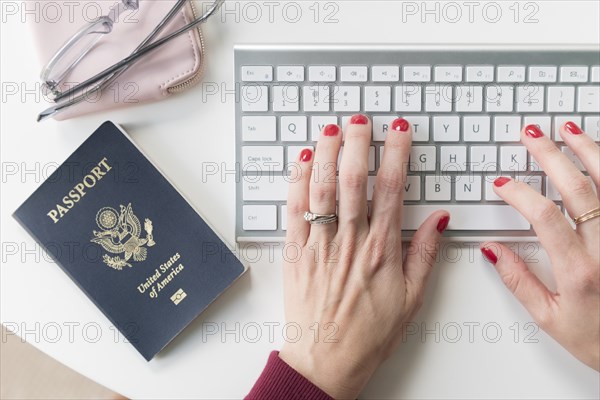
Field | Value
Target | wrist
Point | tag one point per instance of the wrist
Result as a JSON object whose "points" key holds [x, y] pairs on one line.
{"points": [[339, 378]]}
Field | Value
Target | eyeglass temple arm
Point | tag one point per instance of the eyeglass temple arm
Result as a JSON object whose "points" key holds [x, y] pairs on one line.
{"points": [[145, 48]]}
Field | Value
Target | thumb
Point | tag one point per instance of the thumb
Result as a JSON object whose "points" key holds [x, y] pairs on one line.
{"points": [[524, 285], [423, 249]]}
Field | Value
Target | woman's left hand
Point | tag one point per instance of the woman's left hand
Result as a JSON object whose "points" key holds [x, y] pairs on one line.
{"points": [[346, 285]]}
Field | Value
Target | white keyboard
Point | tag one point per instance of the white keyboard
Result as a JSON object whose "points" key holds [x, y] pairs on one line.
{"points": [[467, 106]]}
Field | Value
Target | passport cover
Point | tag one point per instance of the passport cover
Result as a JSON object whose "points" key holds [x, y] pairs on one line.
{"points": [[129, 239]]}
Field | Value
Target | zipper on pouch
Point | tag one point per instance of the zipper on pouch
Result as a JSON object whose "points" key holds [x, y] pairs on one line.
{"points": [[197, 77]]}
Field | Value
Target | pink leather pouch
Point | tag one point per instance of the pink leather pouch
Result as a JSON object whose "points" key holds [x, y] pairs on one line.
{"points": [[170, 69]]}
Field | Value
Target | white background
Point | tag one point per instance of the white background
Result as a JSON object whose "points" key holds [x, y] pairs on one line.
{"points": [[178, 135]]}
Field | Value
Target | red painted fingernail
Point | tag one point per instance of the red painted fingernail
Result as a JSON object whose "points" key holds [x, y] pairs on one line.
{"points": [[400, 125], [443, 224], [533, 131], [499, 182], [572, 128], [489, 255], [306, 155], [331, 130], [359, 119]]}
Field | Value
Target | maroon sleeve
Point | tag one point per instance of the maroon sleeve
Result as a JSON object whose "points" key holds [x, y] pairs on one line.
{"points": [[280, 381]]}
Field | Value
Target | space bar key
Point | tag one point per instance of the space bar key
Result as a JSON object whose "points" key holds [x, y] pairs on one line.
{"points": [[468, 217]]}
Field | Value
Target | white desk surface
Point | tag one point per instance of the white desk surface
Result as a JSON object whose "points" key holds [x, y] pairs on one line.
{"points": [[41, 302]]}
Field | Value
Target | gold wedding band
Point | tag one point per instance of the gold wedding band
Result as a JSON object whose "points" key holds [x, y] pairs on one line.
{"points": [[587, 216]]}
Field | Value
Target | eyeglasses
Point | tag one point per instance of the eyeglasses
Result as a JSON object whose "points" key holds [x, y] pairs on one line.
{"points": [[81, 43]]}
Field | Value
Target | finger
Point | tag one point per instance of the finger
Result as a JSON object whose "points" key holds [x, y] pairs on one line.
{"points": [[422, 251], [389, 185], [354, 171], [323, 181], [575, 189], [524, 285], [297, 202], [551, 226], [584, 148]]}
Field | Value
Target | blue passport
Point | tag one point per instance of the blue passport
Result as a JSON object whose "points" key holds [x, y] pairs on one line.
{"points": [[129, 240]]}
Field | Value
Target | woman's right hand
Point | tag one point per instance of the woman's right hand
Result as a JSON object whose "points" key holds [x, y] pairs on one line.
{"points": [[571, 315]]}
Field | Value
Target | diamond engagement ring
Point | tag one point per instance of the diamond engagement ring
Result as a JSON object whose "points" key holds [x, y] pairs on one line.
{"points": [[320, 219]]}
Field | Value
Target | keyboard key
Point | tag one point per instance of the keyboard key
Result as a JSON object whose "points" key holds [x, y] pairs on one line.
{"points": [[378, 98], [422, 158], [321, 73], [317, 123], [542, 74], [381, 126], [257, 73], [476, 129], [507, 128], [543, 122], [484, 158], [499, 98], [353, 74], [283, 218], [595, 74], [533, 165], [293, 152], [408, 98], [561, 99], [448, 73], [472, 217], [293, 128], [290, 73], [286, 98], [469, 98], [551, 191], [345, 122], [346, 98], [490, 194], [534, 181], [570, 219], [530, 98], [438, 98], [480, 73], [412, 188], [437, 188], [511, 73], [420, 125], [574, 159], [416, 73], [370, 189], [259, 218], [467, 188], [371, 159], [316, 98], [265, 188], [592, 127], [259, 129], [559, 121], [262, 158], [446, 129], [588, 99], [513, 158], [385, 73], [453, 158], [575, 74], [255, 98]]}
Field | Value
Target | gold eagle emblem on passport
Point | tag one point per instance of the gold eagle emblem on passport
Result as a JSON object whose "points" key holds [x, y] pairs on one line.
{"points": [[120, 235]]}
